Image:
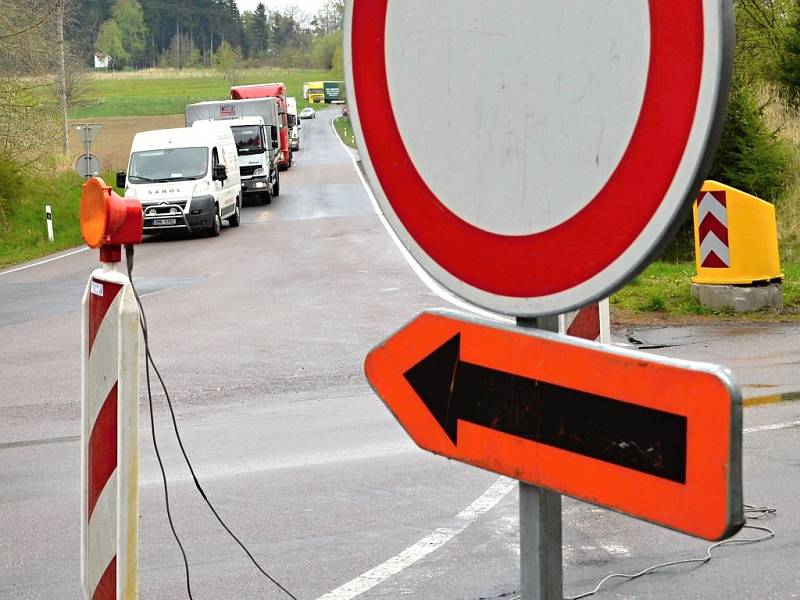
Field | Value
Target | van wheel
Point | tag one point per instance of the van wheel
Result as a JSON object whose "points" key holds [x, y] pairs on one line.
{"points": [[236, 218], [216, 223], [276, 187]]}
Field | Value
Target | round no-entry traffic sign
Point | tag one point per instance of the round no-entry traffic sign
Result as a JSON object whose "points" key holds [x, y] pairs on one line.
{"points": [[534, 155]]}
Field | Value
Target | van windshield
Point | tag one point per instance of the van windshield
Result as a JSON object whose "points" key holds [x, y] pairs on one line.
{"points": [[169, 164], [248, 139]]}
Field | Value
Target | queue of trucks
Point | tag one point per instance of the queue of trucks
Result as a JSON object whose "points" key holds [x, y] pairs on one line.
{"points": [[327, 92], [229, 152]]}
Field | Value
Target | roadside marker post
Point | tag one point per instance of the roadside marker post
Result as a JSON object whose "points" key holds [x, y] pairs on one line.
{"points": [[537, 213], [48, 214], [109, 401]]}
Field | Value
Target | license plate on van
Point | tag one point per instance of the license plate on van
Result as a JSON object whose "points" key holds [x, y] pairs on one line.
{"points": [[157, 222]]}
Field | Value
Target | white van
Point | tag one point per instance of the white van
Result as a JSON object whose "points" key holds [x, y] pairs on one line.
{"points": [[294, 123], [185, 178]]}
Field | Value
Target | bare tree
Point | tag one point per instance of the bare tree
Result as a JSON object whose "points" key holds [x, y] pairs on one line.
{"points": [[28, 59], [62, 74]]}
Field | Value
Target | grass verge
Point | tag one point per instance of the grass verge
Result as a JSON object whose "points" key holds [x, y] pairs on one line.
{"points": [[24, 236], [665, 288], [344, 129]]}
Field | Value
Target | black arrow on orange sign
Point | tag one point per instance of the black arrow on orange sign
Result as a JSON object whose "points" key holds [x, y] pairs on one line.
{"points": [[629, 435]]}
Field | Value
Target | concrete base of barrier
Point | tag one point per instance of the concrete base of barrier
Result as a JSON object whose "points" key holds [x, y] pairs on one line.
{"points": [[740, 298]]}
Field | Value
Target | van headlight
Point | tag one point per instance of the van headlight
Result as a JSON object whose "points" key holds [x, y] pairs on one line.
{"points": [[201, 189]]}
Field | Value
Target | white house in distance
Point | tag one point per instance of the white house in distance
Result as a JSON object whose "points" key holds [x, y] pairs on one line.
{"points": [[101, 61]]}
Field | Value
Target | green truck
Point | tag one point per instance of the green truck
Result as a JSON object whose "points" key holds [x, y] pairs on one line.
{"points": [[334, 91]]}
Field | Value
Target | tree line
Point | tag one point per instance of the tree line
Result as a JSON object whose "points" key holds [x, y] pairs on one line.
{"points": [[191, 33]]}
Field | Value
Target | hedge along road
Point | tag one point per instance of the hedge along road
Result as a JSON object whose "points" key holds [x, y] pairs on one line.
{"points": [[261, 335]]}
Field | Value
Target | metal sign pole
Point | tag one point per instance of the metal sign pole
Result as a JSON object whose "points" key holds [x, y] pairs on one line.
{"points": [[540, 522], [87, 144]]}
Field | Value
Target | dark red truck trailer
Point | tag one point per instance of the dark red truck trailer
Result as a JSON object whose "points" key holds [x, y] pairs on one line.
{"points": [[271, 90]]}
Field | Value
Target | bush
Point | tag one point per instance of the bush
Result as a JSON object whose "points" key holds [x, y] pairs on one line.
{"points": [[11, 189], [788, 71], [750, 157]]}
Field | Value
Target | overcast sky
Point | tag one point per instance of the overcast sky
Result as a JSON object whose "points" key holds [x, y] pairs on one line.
{"points": [[308, 6]]}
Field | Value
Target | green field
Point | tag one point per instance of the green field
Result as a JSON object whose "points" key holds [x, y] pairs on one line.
{"points": [[166, 93]]}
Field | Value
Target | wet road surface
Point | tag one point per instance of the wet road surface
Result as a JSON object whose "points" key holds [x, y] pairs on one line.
{"points": [[261, 335]]}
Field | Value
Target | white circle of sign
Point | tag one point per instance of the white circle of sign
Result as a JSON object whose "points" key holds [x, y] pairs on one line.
{"points": [[535, 156], [503, 109]]}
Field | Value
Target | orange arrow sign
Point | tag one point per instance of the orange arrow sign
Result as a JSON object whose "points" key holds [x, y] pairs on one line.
{"points": [[655, 438]]}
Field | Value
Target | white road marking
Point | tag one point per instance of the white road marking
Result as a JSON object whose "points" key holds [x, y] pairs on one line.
{"points": [[441, 536], [430, 543], [615, 549], [772, 427], [47, 260]]}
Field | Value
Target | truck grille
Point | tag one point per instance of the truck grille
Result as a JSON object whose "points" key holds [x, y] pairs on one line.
{"points": [[248, 171]]}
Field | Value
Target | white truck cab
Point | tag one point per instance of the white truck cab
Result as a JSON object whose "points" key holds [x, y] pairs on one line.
{"points": [[258, 151], [252, 143], [294, 123], [185, 178]]}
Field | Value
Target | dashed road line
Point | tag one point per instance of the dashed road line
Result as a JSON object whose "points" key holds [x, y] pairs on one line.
{"points": [[430, 543], [772, 427]]}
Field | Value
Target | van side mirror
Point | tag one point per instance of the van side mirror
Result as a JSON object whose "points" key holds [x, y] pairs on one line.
{"points": [[220, 173], [275, 144], [121, 179]]}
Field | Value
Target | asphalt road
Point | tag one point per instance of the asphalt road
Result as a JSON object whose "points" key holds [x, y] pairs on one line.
{"points": [[260, 335]]}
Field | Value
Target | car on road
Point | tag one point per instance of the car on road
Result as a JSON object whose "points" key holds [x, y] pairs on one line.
{"points": [[308, 113]]}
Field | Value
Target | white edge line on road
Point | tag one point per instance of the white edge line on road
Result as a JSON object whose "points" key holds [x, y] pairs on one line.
{"points": [[771, 427], [421, 273], [47, 260], [430, 543]]}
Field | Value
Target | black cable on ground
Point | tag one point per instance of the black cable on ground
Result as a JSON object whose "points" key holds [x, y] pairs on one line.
{"points": [[143, 324], [149, 362], [756, 512]]}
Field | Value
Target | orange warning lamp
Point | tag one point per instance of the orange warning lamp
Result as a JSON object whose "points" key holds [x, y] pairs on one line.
{"points": [[108, 221]]}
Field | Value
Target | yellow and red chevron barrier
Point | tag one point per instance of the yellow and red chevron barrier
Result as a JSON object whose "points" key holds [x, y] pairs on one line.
{"points": [[736, 237], [109, 401]]}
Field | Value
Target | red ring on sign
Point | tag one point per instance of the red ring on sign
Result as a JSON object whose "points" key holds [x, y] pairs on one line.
{"points": [[576, 250]]}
